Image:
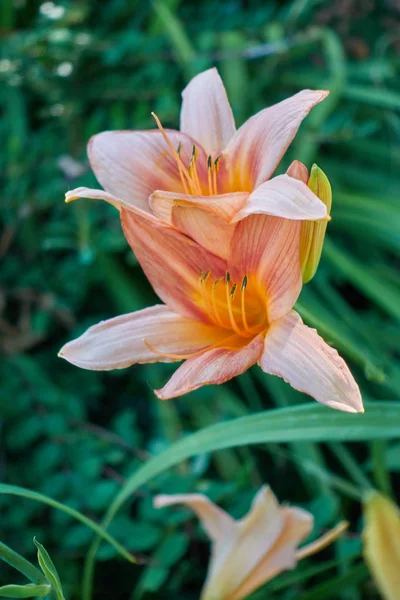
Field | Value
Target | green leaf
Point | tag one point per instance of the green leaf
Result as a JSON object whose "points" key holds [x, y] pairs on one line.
{"points": [[48, 568], [308, 422], [25, 591]]}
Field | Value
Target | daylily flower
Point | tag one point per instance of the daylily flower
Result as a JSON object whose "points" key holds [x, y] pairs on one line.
{"points": [[220, 244], [249, 552], [381, 539]]}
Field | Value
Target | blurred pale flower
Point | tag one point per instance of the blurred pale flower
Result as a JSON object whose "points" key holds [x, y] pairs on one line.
{"points": [[381, 539], [249, 552], [220, 243]]}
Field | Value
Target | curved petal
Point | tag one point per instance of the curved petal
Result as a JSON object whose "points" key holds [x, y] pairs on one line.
{"points": [[172, 263], [132, 164], [286, 197], [221, 205], [208, 230], [217, 523], [119, 342], [297, 526], [260, 143], [268, 247], [84, 192], [213, 366], [206, 114], [300, 356]]}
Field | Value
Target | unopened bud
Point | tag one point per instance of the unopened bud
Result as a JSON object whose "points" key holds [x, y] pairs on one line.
{"points": [[298, 171], [313, 232]]}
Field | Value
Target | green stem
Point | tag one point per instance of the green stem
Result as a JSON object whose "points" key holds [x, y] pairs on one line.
{"points": [[380, 472], [351, 465]]}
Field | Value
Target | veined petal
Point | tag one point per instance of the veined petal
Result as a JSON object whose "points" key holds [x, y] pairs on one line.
{"points": [[258, 146], [284, 196], [132, 164], [300, 356], [297, 525], [206, 114], [213, 366], [220, 205], [208, 230], [171, 262], [255, 534], [119, 342], [218, 524], [268, 247]]}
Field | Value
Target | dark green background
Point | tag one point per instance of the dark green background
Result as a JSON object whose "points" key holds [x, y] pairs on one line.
{"points": [[76, 68]]}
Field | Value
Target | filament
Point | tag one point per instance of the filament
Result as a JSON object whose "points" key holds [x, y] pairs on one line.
{"points": [[215, 171], [322, 542], [193, 170], [214, 303], [182, 171], [229, 298], [209, 175], [243, 305]]}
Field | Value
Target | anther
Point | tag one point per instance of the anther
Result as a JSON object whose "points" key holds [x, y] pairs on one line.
{"points": [[205, 276], [227, 277], [233, 290], [244, 282]]}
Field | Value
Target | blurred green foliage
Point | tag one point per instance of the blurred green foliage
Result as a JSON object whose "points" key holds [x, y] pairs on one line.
{"points": [[73, 68]]}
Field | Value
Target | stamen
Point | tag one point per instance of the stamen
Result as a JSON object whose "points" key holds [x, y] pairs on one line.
{"points": [[243, 307], [215, 171], [193, 170], [214, 304], [177, 155], [209, 175], [205, 276], [322, 542], [229, 298]]}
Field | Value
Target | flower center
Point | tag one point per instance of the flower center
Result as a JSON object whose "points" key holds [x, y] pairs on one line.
{"points": [[239, 307], [189, 176]]}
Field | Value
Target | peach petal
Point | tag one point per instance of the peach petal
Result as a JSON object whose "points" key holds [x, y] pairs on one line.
{"points": [[118, 343], [221, 205], [132, 164], [268, 247], [258, 146], [300, 356], [212, 367], [205, 228], [286, 197], [206, 114], [172, 263]]}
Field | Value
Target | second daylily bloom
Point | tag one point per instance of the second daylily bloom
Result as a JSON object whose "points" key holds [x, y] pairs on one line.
{"points": [[220, 243], [249, 552]]}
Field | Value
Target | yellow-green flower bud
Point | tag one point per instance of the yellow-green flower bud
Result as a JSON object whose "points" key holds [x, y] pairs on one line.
{"points": [[381, 542], [313, 232]]}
